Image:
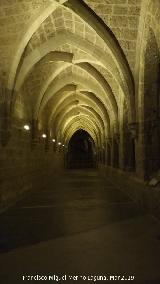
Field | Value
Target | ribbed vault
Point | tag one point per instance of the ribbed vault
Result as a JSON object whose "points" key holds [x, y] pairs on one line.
{"points": [[72, 74]]}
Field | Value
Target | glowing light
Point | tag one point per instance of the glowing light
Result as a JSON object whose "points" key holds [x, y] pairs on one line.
{"points": [[59, 143], [53, 140], [44, 135], [63, 145], [26, 127]]}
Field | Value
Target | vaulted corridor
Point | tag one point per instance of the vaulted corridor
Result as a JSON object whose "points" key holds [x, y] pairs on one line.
{"points": [[80, 138], [78, 225]]}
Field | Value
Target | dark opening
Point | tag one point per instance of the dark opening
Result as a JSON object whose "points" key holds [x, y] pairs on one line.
{"points": [[81, 151]]}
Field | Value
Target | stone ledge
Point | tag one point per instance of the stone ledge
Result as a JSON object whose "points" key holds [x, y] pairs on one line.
{"points": [[146, 197]]}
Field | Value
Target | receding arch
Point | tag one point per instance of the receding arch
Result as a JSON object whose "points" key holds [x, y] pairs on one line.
{"points": [[76, 127], [99, 80], [72, 78], [81, 119], [87, 113], [77, 98], [86, 126], [105, 33], [27, 34], [48, 46]]}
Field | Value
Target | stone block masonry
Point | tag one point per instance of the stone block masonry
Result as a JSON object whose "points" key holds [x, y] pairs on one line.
{"points": [[23, 169]]}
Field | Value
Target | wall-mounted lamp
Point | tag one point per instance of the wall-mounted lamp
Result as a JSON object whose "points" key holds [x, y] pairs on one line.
{"points": [[53, 140], [59, 143], [63, 145], [26, 127], [44, 135]]}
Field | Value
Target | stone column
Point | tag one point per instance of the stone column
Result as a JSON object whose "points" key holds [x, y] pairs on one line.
{"points": [[5, 120], [108, 151], [137, 134], [5, 129], [122, 150], [34, 133], [47, 141], [115, 150]]}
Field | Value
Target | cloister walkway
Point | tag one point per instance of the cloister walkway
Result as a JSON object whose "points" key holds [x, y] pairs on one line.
{"points": [[82, 225]]}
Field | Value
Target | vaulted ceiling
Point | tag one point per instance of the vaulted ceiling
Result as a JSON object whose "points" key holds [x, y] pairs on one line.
{"points": [[70, 64]]}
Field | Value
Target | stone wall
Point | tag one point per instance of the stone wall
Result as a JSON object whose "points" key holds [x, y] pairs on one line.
{"points": [[15, 16], [122, 17], [25, 167], [148, 44]]}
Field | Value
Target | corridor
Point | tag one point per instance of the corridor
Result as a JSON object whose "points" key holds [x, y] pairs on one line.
{"points": [[79, 140], [80, 224]]}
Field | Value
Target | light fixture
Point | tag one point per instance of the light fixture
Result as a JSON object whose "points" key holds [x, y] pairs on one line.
{"points": [[59, 143], [26, 127], [63, 145], [44, 135], [53, 140]]}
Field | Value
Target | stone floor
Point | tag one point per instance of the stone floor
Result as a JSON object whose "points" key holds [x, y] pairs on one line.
{"points": [[79, 225]]}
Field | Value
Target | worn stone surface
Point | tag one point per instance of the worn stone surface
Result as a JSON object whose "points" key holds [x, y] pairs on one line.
{"points": [[79, 225]]}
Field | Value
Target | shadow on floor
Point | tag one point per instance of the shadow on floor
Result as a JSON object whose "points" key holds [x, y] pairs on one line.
{"points": [[78, 202]]}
